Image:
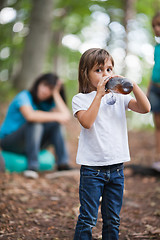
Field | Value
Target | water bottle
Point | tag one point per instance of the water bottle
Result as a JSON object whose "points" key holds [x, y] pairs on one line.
{"points": [[119, 84]]}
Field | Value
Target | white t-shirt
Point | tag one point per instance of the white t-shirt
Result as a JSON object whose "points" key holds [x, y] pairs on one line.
{"points": [[106, 142]]}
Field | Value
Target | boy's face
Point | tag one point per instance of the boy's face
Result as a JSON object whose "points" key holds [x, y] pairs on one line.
{"points": [[99, 72], [156, 26]]}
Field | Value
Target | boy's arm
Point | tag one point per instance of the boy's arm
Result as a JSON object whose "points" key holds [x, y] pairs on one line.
{"points": [[87, 117], [140, 104]]}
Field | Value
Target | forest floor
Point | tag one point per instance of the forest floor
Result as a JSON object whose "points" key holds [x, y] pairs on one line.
{"points": [[47, 208]]}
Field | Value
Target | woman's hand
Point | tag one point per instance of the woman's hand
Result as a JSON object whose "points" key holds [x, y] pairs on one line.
{"points": [[57, 87], [62, 111], [62, 118]]}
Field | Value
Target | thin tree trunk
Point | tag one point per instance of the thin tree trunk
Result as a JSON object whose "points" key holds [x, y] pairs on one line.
{"points": [[36, 44], [2, 4], [129, 14], [129, 11], [56, 38], [58, 60]]}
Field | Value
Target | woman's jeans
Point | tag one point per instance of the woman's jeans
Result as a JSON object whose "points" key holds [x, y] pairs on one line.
{"points": [[95, 182], [32, 137]]}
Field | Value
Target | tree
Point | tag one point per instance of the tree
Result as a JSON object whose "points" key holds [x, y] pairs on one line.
{"points": [[2, 4], [36, 44], [42, 49]]}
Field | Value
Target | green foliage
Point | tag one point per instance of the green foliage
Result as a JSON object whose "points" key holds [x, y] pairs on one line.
{"points": [[13, 40], [70, 17], [7, 92], [71, 87], [148, 7]]}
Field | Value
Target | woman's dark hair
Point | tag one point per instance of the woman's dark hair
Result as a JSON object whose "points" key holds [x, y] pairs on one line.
{"points": [[50, 79]]}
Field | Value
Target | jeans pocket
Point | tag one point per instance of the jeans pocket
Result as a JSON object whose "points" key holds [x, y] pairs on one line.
{"points": [[120, 173], [88, 172]]}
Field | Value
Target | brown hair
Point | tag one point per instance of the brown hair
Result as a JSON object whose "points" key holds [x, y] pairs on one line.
{"points": [[157, 15], [90, 58]]}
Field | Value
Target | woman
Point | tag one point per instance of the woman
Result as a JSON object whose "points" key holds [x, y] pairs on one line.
{"points": [[34, 120]]}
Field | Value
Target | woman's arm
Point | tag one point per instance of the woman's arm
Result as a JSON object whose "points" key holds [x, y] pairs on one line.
{"points": [[61, 107], [140, 104], [32, 115], [61, 114]]}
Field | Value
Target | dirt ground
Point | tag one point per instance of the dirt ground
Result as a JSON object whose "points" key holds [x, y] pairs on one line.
{"points": [[47, 208]]}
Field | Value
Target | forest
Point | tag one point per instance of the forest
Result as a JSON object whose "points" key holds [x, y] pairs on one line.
{"points": [[38, 36]]}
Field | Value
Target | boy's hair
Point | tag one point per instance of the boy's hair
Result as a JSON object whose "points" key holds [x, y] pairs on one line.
{"points": [[90, 58], [157, 15]]}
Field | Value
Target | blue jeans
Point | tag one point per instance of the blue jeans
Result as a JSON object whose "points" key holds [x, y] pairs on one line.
{"points": [[32, 137], [95, 182], [154, 98]]}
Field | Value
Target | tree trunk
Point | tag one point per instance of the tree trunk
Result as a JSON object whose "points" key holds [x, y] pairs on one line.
{"points": [[57, 38], [2, 4], [58, 59], [129, 14], [129, 11], [36, 45]]}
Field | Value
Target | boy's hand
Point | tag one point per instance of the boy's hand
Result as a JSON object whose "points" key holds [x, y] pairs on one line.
{"points": [[106, 80], [101, 87]]}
